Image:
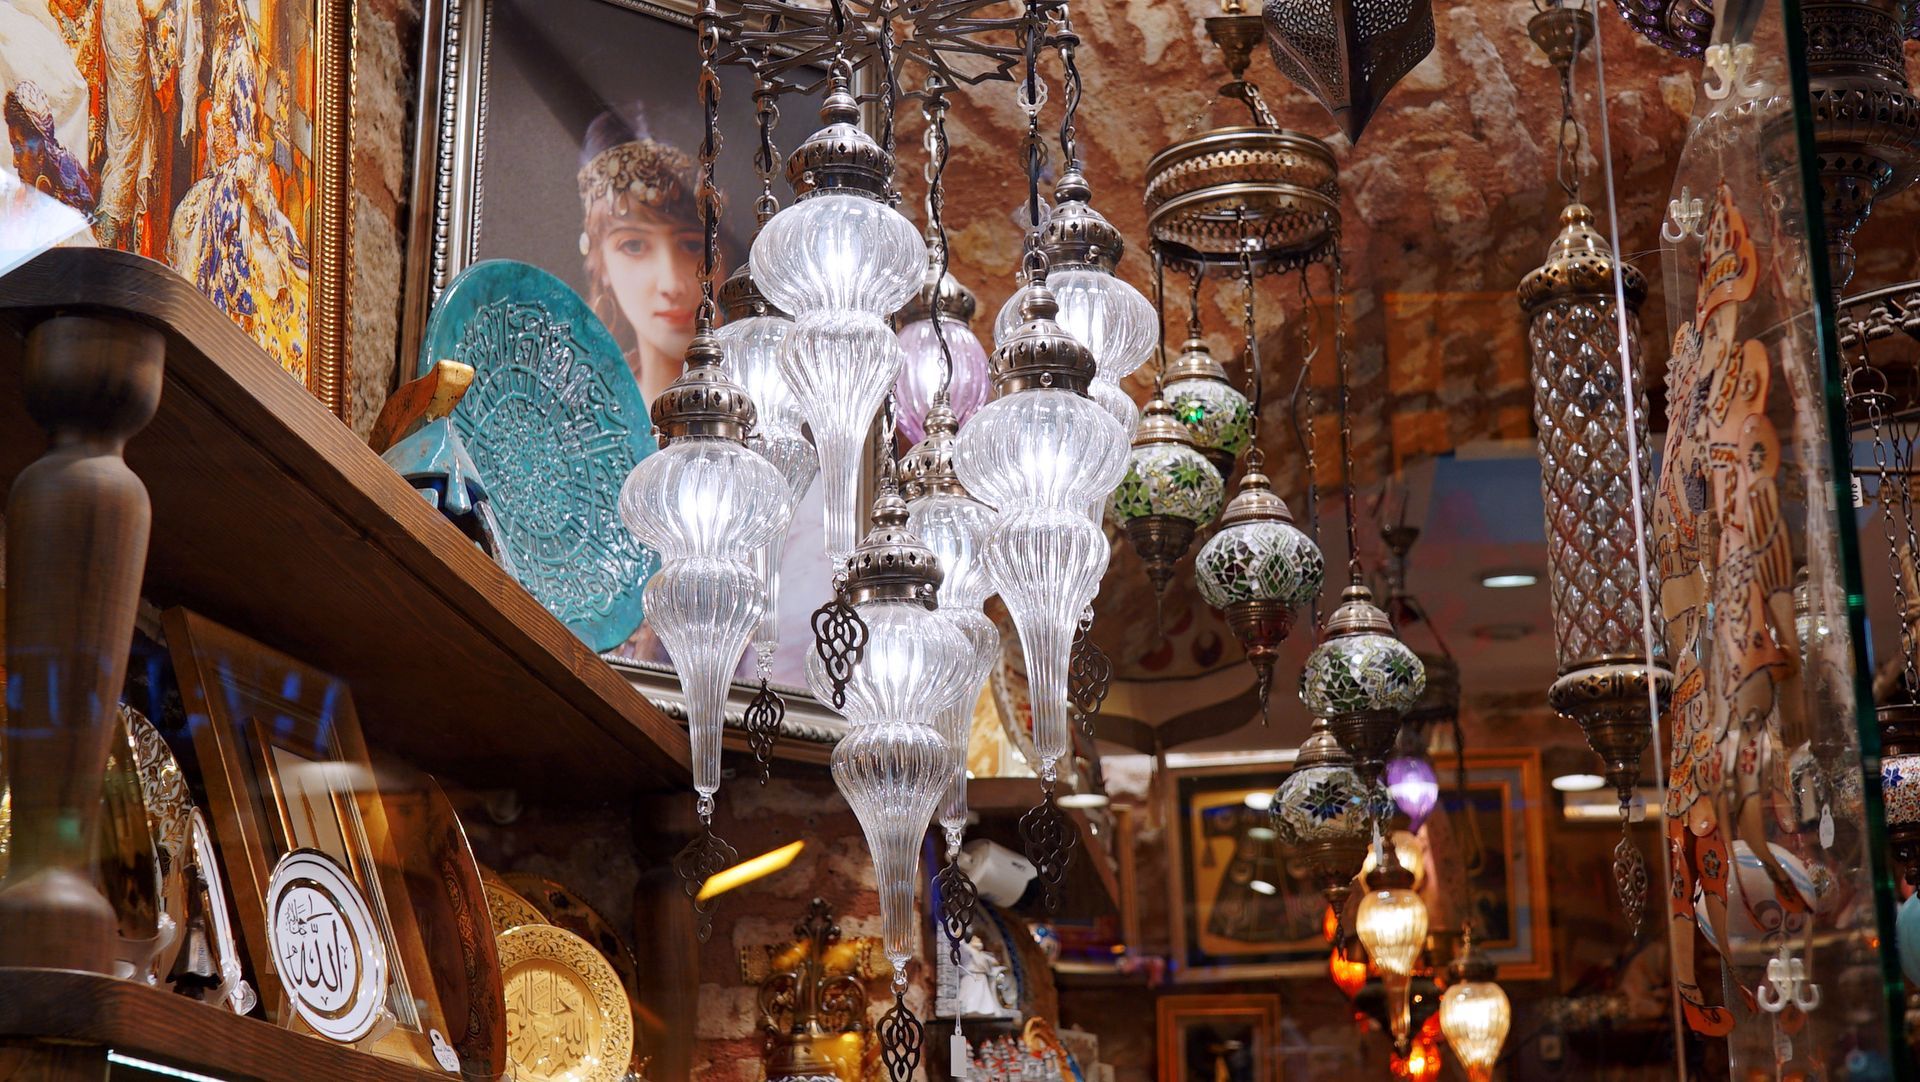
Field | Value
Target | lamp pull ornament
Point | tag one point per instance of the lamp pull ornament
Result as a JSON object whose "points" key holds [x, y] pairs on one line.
{"points": [[902, 1037], [959, 899], [839, 638], [764, 718], [1049, 840], [1089, 674], [702, 857]]}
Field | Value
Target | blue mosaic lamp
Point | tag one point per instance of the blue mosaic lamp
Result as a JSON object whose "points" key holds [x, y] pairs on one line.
{"points": [[1362, 679], [1323, 813]]}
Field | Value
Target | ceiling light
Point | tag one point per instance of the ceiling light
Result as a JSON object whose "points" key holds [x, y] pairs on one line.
{"points": [[1261, 886], [1083, 800], [1261, 834], [1259, 799], [1508, 580], [1579, 783]]}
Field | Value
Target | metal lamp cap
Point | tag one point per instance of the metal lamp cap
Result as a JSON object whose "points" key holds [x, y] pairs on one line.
{"points": [[1472, 964], [1158, 424], [938, 292], [1357, 615], [1390, 875], [1195, 362], [927, 469], [1321, 748], [890, 563], [740, 297], [1076, 234], [1255, 502], [840, 157], [1579, 262], [1040, 353], [703, 401]]}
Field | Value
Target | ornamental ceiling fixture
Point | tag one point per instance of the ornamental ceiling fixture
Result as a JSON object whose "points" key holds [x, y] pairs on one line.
{"points": [[1348, 53], [706, 599], [1592, 440]]}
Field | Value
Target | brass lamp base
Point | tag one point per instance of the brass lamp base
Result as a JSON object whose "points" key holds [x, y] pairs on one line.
{"points": [[1261, 626], [1161, 540], [1612, 706], [1368, 736]]}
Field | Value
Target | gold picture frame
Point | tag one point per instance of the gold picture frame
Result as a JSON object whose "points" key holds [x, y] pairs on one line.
{"points": [[1209, 1038], [285, 767], [1493, 868]]}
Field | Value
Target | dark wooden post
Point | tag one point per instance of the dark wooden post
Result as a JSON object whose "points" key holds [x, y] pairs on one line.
{"points": [[77, 525]]}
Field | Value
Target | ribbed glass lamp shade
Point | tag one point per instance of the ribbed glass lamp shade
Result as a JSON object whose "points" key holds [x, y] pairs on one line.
{"points": [[1392, 925], [924, 365], [750, 344], [1415, 790], [706, 504], [840, 261], [956, 722], [1043, 454], [1475, 1015], [892, 766], [1101, 310]]}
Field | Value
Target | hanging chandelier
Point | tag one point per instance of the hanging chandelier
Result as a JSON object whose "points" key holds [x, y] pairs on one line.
{"points": [[893, 766], [707, 504], [1392, 925], [1591, 440], [840, 260], [1474, 1012]]}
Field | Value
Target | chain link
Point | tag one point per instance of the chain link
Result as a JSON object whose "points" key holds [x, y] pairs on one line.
{"points": [[1160, 322], [934, 108], [1066, 41], [1253, 351], [1567, 168], [766, 157], [1345, 376], [1194, 273], [707, 29], [1895, 485], [1031, 96], [889, 93], [1303, 411]]}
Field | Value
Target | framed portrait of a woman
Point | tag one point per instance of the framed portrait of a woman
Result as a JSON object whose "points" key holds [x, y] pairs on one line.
{"points": [[563, 133]]}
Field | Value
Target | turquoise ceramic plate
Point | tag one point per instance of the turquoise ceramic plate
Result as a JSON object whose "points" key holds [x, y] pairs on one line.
{"points": [[554, 422]]}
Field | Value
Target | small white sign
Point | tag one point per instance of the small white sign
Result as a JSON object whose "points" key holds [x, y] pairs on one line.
{"points": [[326, 947]]}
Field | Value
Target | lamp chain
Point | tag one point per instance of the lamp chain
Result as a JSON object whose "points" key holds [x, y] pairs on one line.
{"points": [[1303, 411], [934, 108], [889, 85], [1160, 322], [1194, 273], [1869, 399], [766, 157], [1254, 458], [1066, 41], [1568, 137], [1031, 95], [708, 32], [1344, 370]]}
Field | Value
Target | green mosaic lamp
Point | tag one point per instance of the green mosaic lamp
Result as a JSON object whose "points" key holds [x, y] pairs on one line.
{"points": [[1362, 679], [1257, 569], [1217, 415], [1169, 491]]}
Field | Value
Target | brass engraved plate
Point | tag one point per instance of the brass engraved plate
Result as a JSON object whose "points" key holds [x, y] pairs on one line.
{"points": [[507, 909], [567, 1016]]}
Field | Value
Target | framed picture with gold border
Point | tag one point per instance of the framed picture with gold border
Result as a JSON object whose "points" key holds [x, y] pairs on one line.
{"points": [[285, 767], [214, 138], [1241, 911], [1225, 1038]]}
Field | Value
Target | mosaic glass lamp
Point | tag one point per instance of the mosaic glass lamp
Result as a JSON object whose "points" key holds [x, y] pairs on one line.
{"points": [[1169, 491], [1362, 678], [1323, 814], [1257, 569], [1216, 414]]}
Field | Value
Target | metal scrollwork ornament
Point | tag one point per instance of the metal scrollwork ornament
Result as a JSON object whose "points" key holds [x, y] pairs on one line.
{"points": [[839, 638], [959, 898], [705, 855], [1089, 675], [902, 1037], [1048, 838], [764, 717], [1630, 877]]}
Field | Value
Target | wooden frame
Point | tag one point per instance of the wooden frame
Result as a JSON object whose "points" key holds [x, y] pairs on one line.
{"points": [[285, 767], [1516, 888], [1257, 1014]]}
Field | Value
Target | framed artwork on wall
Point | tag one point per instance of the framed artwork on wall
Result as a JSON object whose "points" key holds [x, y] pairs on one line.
{"points": [[563, 134], [211, 135], [1241, 911], [1228, 1038], [285, 768]]}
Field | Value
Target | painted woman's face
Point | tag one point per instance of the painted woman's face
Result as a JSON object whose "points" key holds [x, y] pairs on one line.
{"points": [[652, 268]]}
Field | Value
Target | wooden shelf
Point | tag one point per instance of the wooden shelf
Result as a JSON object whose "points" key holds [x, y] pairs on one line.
{"points": [[62, 1007], [273, 518], [1090, 876]]}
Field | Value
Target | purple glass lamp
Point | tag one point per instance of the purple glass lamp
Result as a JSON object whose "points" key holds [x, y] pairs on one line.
{"points": [[1413, 787], [921, 374]]}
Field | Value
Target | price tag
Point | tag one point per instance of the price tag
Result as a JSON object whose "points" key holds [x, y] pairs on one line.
{"points": [[1859, 493], [959, 1058]]}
